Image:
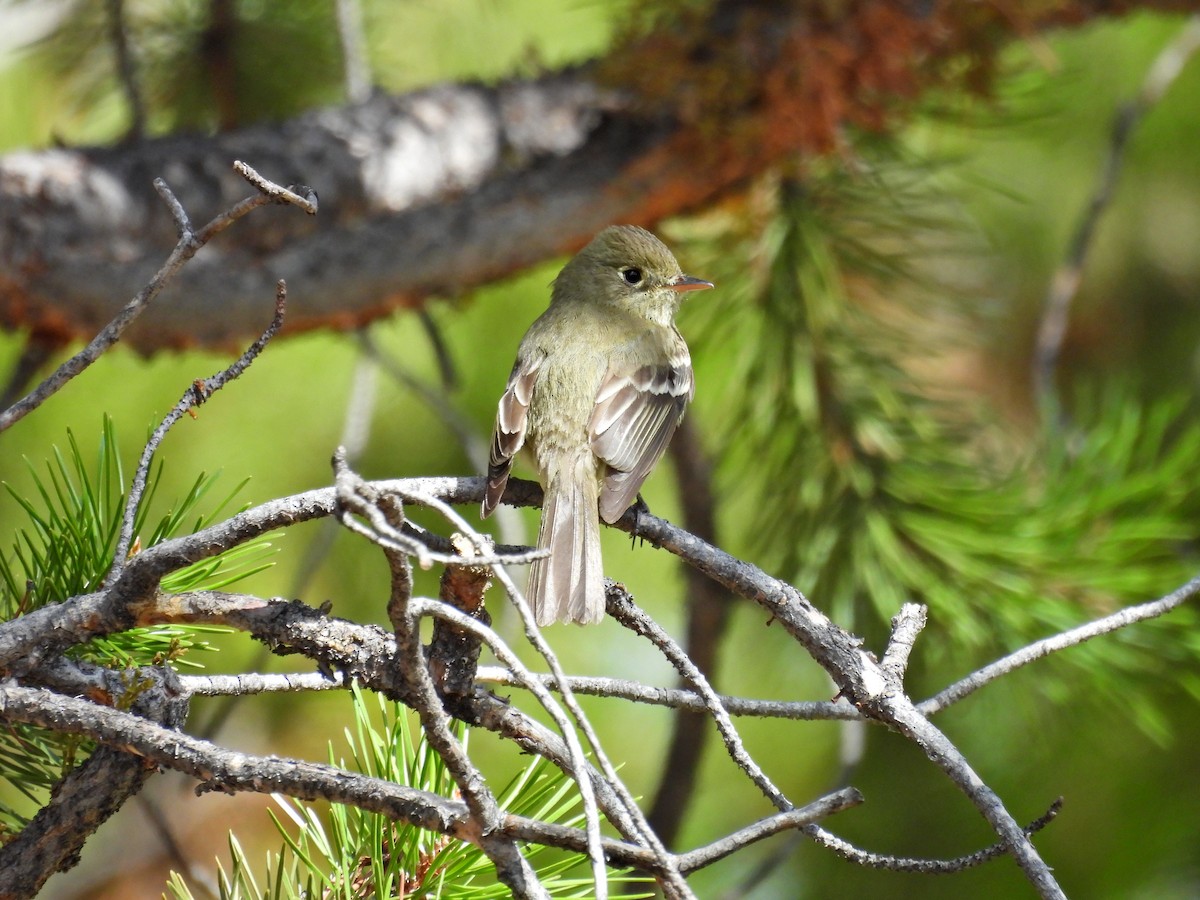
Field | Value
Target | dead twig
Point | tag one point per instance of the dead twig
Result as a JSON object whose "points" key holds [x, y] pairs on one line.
{"points": [[185, 248]]}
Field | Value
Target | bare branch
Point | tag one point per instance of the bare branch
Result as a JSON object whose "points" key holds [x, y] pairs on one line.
{"points": [[484, 710], [801, 818], [906, 625], [228, 770], [873, 688], [1120, 619], [221, 769], [356, 73], [183, 224], [633, 820], [357, 497], [899, 712], [1065, 283], [356, 430], [252, 683], [197, 393], [57, 626], [621, 607], [578, 769], [865, 858], [438, 399], [675, 698], [420, 692], [126, 70], [707, 614], [93, 791], [187, 246], [300, 195], [511, 866], [414, 669]]}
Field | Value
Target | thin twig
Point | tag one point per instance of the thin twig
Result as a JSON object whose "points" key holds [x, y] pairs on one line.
{"points": [[620, 853], [188, 244], [183, 224], [906, 626], [59, 626], [579, 761], [679, 698], [1065, 283], [447, 370], [622, 608], [184, 250], [900, 713], [1122, 618], [356, 74], [858, 676], [421, 607], [673, 882], [356, 431], [511, 866], [365, 653], [357, 497], [197, 393], [438, 400], [707, 610], [870, 860], [218, 768], [253, 683], [300, 195], [126, 70], [799, 818], [512, 869], [489, 712]]}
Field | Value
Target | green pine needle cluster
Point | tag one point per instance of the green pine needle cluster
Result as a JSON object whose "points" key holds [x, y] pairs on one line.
{"points": [[855, 480], [345, 852], [64, 549], [32, 762]]}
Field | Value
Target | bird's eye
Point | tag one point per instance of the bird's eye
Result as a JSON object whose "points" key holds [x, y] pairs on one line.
{"points": [[632, 276]]}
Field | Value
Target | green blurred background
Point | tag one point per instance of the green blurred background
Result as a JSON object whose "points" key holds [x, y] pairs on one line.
{"points": [[972, 206]]}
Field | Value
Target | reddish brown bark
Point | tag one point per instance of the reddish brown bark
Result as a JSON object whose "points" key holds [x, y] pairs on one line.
{"points": [[455, 186]]}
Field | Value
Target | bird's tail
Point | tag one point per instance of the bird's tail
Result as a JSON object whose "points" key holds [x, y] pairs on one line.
{"points": [[568, 585]]}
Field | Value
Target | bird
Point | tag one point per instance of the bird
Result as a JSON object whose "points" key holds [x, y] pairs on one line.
{"points": [[601, 381]]}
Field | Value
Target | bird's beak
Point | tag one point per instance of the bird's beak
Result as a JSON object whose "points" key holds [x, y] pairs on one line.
{"points": [[681, 283]]}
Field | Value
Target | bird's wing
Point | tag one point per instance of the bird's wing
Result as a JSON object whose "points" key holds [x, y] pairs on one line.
{"points": [[508, 436], [632, 422]]}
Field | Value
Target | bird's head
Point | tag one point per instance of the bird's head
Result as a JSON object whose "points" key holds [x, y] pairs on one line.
{"points": [[630, 268]]}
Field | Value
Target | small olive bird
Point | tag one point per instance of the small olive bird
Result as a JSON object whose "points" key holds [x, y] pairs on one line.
{"points": [[601, 381]]}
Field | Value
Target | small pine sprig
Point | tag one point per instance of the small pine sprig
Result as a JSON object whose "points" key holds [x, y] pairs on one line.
{"points": [[347, 853], [64, 548]]}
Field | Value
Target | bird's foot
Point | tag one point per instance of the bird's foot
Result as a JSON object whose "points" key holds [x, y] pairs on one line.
{"points": [[638, 509]]}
